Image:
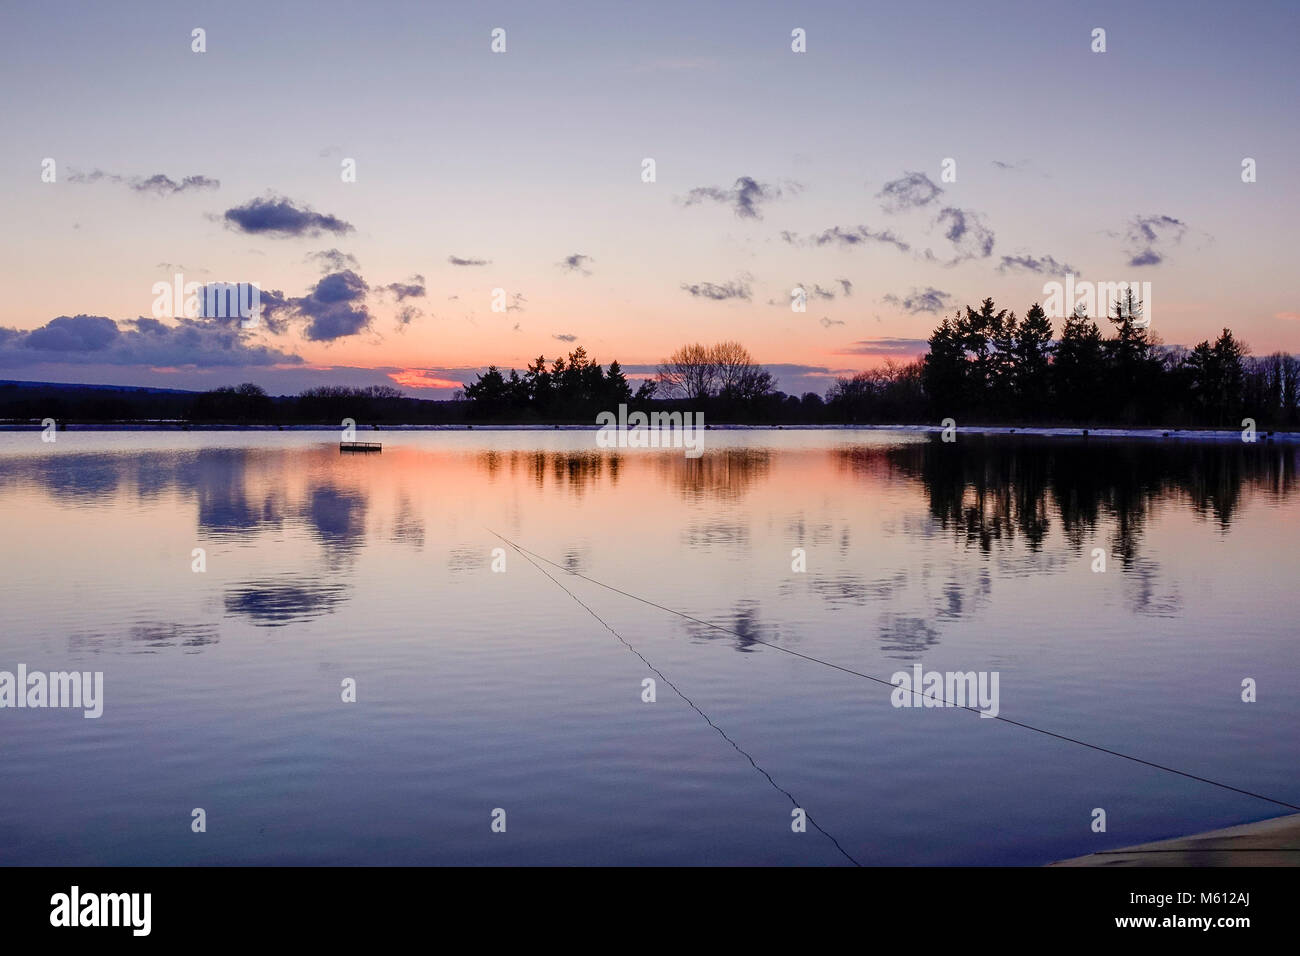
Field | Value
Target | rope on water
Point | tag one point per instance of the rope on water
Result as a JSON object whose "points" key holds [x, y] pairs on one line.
{"points": [[797, 805], [848, 670]]}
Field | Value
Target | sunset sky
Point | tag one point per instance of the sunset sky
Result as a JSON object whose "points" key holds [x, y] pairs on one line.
{"points": [[522, 171]]}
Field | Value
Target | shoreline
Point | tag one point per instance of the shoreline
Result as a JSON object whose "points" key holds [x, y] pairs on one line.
{"points": [[1271, 842], [1051, 431]]}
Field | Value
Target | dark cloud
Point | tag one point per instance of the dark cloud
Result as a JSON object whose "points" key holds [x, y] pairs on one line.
{"points": [[334, 308], [413, 288], [458, 261], [910, 191], [281, 218], [576, 263], [886, 347], [847, 286], [97, 340], [1036, 264], [744, 197], [158, 184], [332, 260], [921, 300], [718, 292], [847, 237], [565, 337], [407, 313], [971, 239], [1149, 238]]}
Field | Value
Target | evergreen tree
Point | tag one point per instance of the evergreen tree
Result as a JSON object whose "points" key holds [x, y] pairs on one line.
{"points": [[943, 370], [1079, 369], [1033, 353]]}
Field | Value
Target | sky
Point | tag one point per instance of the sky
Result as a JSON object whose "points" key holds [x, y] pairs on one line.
{"points": [[913, 159]]}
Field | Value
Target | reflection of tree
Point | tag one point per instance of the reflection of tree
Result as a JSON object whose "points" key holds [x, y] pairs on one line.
{"points": [[989, 489], [575, 470], [724, 473]]}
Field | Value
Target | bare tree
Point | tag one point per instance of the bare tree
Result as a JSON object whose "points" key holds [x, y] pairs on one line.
{"points": [[690, 372]]}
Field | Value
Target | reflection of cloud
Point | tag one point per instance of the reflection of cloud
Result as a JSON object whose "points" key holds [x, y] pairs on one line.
{"points": [[704, 536], [280, 601], [149, 638], [744, 626], [906, 638], [337, 517]]}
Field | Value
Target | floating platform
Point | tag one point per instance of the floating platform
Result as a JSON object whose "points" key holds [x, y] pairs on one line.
{"points": [[360, 446]]}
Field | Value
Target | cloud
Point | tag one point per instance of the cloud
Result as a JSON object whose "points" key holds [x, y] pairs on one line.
{"points": [[1018, 165], [576, 263], [427, 378], [458, 261], [406, 314], [283, 218], [1287, 316], [827, 322], [1149, 237], [847, 286], [814, 291], [159, 184], [98, 340], [565, 337], [331, 260], [517, 301], [738, 289], [744, 197], [412, 288], [847, 237], [910, 191], [886, 347], [971, 239], [1036, 264], [921, 300], [334, 308]]}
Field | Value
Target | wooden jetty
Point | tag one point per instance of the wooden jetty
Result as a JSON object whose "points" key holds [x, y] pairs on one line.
{"points": [[360, 446]]}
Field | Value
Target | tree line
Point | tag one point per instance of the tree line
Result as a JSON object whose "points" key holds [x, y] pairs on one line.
{"points": [[987, 365]]}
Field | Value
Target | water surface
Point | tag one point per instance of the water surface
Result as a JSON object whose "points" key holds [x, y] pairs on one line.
{"points": [[480, 690]]}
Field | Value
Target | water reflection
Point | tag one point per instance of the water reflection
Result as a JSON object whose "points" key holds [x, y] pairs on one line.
{"points": [[277, 602], [992, 491], [148, 638], [1004, 498]]}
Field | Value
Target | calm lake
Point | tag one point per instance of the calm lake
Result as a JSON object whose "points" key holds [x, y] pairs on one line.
{"points": [[479, 689]]}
